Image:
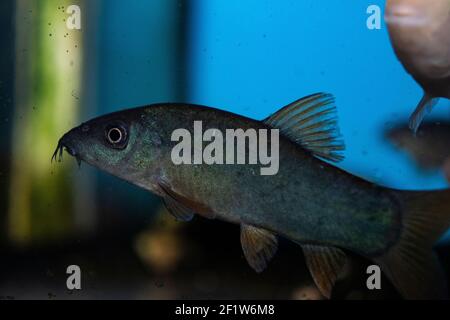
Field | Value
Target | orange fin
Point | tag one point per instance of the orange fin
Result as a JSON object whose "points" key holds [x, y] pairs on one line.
{"points": [[259, 246], [411, 264], [312, 123], [325, 265]]}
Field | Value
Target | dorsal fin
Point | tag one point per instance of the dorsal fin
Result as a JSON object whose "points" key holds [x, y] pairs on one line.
{"points": [[312, 123]]}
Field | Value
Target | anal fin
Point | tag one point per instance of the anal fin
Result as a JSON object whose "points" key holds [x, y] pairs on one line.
{"points": [[325, 264], [259, 246]]}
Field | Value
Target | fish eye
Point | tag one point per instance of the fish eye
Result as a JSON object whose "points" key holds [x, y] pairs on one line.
{"points": [[116, 136]]}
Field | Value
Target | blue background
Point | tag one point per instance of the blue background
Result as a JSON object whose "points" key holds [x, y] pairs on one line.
{"points": [[253, 59]]}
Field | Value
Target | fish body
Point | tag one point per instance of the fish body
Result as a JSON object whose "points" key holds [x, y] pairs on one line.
{"points": [[311, 202], [419, 32], [344, 206]]}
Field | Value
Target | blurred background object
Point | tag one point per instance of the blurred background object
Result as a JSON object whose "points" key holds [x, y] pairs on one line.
{"points": [[419, 35], [63, 76], [247, 57], [430, 147], [161, 247], [44, 203]]}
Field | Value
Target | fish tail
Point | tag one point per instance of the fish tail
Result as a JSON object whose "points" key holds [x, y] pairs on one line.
{"points": [[410, 264], [425, 106]]}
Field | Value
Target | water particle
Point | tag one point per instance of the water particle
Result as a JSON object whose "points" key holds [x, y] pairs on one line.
{"points": [[75, 96]]}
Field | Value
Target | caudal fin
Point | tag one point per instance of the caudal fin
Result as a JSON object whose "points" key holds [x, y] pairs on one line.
{"points": [[425, 106], [411, 264]]}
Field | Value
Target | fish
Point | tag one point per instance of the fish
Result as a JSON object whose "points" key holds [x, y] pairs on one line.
{"points": [[430, 147], [327, 211], [419, 33]]}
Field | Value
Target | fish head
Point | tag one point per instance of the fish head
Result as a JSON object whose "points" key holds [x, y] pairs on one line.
{"points": [[121, 143]]}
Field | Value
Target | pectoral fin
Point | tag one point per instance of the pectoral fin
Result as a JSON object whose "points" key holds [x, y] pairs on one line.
{"points": [[325, 265], [259, 246], [425, 106], [174, 206], [181, 207]]}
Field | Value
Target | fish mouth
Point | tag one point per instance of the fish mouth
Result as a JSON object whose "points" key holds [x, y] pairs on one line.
{"points": [[58, 154]]}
